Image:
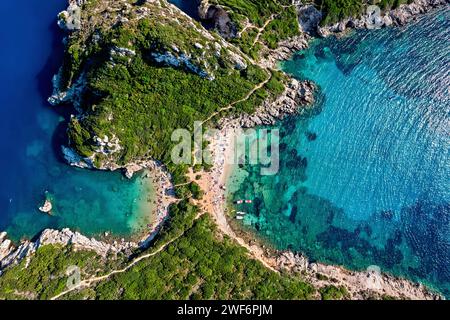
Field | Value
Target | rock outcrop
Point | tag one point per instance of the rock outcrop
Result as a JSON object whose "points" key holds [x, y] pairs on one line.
{"points": [[374, 18], [367, 284], [309, 18], [219, 18], [46, 207], [297, 96], [180, 61], [70, 19], [10, 255]]}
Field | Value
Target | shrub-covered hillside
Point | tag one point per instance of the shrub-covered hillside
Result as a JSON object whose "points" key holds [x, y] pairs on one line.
{"points": [[147, 69]]}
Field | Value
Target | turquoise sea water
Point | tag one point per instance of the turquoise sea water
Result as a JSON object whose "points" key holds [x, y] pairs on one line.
{"points": [[31, 133], [365, 180]]}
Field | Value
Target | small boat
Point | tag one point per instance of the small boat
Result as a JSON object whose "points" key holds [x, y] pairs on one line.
{"points": [[242, 213], [240, 202], [239, 217], [248, 201]]}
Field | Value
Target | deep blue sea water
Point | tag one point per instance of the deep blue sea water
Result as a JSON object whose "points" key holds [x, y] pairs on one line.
{"points": [[365, 179], [190, 7], [31, 133]]}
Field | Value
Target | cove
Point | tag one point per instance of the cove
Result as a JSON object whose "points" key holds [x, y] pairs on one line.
{"points": [[31, 134], [365, 177]]}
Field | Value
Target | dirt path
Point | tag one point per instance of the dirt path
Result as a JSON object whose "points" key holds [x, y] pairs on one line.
{"points": [[261, 30], [231, 105], [88, 282], [213, 182]]}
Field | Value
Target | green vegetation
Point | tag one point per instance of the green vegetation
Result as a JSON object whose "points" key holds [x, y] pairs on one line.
{"points": [[336, 10], [45, 275], [134, 97], [280, 14], [140, 101], [189, 190], [333, 293], [199, 266]]}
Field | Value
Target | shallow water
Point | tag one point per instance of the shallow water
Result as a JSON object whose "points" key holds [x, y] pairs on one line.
{"points": [[366, 179], [31, 133]]}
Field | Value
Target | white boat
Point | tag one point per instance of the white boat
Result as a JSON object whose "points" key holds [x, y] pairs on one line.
{"points": [[240, 212], [239, 217]]}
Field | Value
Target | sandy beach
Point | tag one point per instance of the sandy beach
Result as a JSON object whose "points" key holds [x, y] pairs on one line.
{"points": [[214, 202], [158, 197], [213, 183]]}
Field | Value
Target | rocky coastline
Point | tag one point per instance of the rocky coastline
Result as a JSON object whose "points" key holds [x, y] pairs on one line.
{"points": [[297, 95], [375, 19], [296, 99], [11, 255], [309, 20], [368, 284]]}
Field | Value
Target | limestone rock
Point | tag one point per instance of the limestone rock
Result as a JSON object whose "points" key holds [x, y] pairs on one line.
{"points": [[219, 18], [70, 19], [296, 97], [309, 18], [47, 207], [10, 255]]}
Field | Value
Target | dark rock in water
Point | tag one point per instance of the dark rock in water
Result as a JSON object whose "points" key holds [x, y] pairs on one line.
{"points": [[293, 153], [298, 56], [367, 229], [258, 205], [311, 136], [305, 230], [388, 215], [293, 214], [330, 217]]}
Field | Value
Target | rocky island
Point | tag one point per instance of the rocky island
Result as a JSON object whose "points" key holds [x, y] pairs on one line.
{"points": [[134, 71]]}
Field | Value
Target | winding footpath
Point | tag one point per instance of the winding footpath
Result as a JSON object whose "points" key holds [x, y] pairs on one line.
{"points": [[88, 282]]}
